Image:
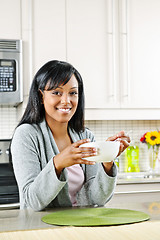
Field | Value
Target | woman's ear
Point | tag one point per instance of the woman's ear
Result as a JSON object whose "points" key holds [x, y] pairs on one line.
{"points": [[41, 96]]}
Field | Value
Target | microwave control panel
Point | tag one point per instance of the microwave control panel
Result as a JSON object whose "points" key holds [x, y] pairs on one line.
{"points": [[7, 75]]}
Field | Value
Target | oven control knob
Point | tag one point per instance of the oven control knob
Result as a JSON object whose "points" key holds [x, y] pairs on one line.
{"points": [[7, 151]]}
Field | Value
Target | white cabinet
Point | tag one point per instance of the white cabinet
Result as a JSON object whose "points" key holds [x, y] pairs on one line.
{"points": [[139, 35], [115, 46], [89, 51], [10, 18], [49, 31], [136, 192], [113, 43]]}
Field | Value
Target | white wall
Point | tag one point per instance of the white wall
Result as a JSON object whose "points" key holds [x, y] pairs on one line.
{"points": [[25, 20]]}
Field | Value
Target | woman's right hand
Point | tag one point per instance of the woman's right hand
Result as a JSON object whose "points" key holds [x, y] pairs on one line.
{"points": [[74, 154]]}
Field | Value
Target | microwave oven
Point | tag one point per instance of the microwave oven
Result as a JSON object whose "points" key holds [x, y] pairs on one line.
{"points": [[11, 92]]}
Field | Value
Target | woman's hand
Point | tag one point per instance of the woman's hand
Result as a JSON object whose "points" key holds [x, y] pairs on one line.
{"points": [[123, 139], [74, 154], [124, 143]]}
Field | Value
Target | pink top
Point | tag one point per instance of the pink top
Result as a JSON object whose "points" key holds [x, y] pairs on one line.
{"points": [[75, 181]]}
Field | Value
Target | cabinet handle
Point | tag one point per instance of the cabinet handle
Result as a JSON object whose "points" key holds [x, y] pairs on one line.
{"points": [[136, 191], [112, 92], [30, 14], [124, 65]]}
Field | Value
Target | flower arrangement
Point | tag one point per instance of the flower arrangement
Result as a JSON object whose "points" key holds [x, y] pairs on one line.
{"points": [[152, 139]]}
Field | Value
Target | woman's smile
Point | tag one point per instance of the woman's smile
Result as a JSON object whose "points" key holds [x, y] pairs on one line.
{"points": [[64, 110], [61, 103]]}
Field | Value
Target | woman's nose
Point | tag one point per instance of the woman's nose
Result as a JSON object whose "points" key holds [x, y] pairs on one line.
{"points": [[65, 99]]}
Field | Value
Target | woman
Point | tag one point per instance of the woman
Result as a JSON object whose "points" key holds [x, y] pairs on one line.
{"points": [[49, 165]]}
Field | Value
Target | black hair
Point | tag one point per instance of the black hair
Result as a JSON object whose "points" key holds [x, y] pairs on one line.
{"points": [[53, 74]]}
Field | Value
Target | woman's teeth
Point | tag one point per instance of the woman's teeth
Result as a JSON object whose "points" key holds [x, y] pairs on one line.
{"points": [[64, 109]]}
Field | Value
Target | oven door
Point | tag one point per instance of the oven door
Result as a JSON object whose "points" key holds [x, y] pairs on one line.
{"points": [[9, 194]]}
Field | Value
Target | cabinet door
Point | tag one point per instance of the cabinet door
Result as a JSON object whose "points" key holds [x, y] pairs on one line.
{"points": [[10, 18], [90, 50], [140, 53], [49, 32]]}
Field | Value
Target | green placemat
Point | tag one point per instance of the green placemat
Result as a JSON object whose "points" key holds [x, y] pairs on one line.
{"points": [[94, 217]]}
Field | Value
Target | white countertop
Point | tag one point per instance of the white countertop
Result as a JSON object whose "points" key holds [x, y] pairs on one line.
{"points": [[16, 219]]}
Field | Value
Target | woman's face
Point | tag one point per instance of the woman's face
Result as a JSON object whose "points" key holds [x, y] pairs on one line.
{"points": [[60, 104]]}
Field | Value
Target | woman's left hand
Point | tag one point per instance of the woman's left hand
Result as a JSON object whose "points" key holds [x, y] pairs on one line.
{"points": [[124, 143], [123, 139]]}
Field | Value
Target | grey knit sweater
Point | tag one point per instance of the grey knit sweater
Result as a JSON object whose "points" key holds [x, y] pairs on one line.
{"points": [[33, 148]]}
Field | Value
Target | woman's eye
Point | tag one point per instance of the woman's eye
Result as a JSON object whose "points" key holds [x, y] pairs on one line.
{"points": [[73, 93], [56, 93]]}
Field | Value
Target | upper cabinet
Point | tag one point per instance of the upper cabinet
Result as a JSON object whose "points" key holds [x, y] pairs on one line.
{"points": [[90, 50], [115, 46], [10, 18], [49, 31], [139, 42]]}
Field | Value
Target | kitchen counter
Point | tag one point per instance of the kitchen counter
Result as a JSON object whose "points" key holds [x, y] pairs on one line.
{"points": [[138, 177], [129, 194], [14, 222]]}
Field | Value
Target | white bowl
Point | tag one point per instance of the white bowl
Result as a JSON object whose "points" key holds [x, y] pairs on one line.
{"points": [[107, 150]]}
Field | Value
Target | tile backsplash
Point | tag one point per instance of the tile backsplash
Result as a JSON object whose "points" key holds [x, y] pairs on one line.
{"points": [[106, 128], [101, 130], [8, 122]]}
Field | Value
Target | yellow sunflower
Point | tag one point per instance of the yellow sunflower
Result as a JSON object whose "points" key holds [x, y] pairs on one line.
{"points": [[153, 138]]}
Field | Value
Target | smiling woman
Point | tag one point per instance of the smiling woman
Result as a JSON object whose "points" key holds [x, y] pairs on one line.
{"points": [[51, 168], [52, 78], [61, 103]]}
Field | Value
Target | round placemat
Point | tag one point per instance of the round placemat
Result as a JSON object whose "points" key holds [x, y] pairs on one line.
{"points": [[94, 217]]}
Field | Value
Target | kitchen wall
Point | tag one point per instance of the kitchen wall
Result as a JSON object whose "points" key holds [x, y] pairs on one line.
{"points": [[8, 121], [101, 129], [104, 129], [32, 21]]}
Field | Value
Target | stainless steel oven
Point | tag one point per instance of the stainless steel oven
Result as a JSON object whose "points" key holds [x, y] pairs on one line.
{"points": [[10, 72], [9, 194]]}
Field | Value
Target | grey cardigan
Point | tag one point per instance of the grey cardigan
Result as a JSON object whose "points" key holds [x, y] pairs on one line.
{"points": [[33, 148]]}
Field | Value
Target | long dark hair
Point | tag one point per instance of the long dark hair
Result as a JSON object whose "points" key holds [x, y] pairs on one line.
{"points": [[54, 73]]}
